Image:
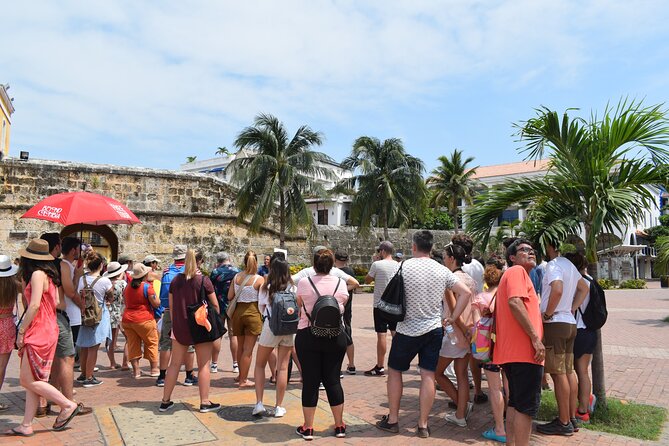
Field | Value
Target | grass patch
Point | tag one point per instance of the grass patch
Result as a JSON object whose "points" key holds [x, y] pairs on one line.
{"points": [[622, 417]]}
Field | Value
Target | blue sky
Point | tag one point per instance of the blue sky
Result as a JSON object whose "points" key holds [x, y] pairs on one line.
{"points": [[150, 83]]}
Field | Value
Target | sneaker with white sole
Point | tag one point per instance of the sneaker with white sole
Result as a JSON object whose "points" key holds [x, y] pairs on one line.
{"points": [[211, 407], [235, 367], [165, 406], [214, 367], [92, 382], [453, 419], [279, 411], [258, 409]]}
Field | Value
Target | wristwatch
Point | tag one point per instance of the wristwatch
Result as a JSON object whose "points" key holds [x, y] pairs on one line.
{"points": [[548, 317]]}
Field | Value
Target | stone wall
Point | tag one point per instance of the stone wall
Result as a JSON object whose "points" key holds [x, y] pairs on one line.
{"points": [[174, 207], [361, 248]]}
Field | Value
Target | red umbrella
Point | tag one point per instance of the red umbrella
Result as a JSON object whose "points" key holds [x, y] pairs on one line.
{"points": [[82, 208]]}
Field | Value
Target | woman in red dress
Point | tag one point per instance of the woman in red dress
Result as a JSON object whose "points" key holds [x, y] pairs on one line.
{"points": [[38, 335]]}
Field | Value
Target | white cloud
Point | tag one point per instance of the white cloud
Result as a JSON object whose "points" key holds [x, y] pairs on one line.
{"points": [[178, 72]]}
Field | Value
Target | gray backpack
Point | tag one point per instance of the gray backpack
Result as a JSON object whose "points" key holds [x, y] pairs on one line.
{"points": [[285, 313]]}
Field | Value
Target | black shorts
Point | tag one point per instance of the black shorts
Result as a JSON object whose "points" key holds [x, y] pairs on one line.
{"points": [[585, 342], [405, 348], [524, 386], [381, 325]]}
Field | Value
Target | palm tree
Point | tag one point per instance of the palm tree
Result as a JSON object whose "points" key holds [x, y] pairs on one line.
{"points": [[599, 174], [451, 182], [191, 159], [223, 151], [389, 183], [271, 168]]}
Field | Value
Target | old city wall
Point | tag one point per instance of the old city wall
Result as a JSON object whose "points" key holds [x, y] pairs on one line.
{"points": [[174, 207], [361, 247]]}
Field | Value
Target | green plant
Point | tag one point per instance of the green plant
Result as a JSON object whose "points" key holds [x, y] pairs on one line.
{"points": [[633, 284], [666, 319], [433, 219], [279, 170], [452, 181], [297, 267], [389, 183], [606, 284], [360, 270], [567, 248], [360, 279], [621, 417]]}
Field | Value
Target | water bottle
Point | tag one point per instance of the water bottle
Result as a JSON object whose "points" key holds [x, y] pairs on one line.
{"points": [[450, 332]]}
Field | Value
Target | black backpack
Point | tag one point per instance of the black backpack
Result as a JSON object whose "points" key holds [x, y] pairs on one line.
{"points": [[285, 315], [325, 319], [595, 314], [392, 305]]}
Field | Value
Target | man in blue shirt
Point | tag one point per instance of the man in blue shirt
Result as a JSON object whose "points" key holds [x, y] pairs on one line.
{"points": [[222, 277]]}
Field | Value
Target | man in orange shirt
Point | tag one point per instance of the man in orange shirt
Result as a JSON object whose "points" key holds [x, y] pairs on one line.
{"points": [[518, 347]]}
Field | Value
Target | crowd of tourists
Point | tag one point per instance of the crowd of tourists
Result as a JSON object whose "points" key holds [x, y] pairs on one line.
{"points": [[75, 302]]}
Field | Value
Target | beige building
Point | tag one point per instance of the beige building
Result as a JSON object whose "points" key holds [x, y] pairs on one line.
{"points": [[6, 110]]}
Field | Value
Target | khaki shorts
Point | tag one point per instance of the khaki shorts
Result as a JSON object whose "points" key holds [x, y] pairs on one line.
{"points": [[559, 342], [165, 343], [269, 339], [246, 320]]}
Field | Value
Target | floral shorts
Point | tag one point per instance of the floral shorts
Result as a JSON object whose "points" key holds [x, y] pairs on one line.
{"points": [[7, 335]]}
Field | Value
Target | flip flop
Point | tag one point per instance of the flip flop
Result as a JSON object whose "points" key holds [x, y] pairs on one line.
{"points": [[491, 435], [63, 424], [16, 433]]}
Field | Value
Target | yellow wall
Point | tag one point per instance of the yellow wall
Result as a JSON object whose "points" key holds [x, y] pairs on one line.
{"points": [[6, 108]]}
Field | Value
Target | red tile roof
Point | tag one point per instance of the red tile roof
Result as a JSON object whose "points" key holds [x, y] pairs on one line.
{"points": [[511, 168]]}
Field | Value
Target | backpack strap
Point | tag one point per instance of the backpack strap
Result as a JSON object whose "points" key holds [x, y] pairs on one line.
{"points": [[318, 295]]}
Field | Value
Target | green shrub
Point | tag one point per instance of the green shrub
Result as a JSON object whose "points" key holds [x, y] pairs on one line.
{"points": [[633, 284], [360, 270], [606, 284], [360, 279]]}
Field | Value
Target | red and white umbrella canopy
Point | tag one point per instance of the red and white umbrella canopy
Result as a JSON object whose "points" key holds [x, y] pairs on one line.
{"points": [[82, 208]]}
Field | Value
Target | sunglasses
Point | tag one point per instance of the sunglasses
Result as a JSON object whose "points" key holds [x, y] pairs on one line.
{"points": [[527, 250]]}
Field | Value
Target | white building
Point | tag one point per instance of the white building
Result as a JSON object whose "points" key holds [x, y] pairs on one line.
{"points": [[621, 255], [329, 210]]}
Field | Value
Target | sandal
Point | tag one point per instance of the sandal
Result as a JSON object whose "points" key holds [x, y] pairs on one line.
{"points": [[16, 433], [384, 425], [376, 371], [491, 435], [60, 425]]}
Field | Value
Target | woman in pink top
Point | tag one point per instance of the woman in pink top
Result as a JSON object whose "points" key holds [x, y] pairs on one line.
{"points": [[454, 257], [484, 305], [320, 357], [38, 335]]}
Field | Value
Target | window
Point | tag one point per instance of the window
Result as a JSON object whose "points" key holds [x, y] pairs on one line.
{"points": [[322, 216], [509, 215]]}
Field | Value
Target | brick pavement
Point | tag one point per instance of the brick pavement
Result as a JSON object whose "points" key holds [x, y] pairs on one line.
{"points": [[635, 369]]}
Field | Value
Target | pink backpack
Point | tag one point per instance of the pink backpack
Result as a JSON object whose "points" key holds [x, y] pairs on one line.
{"points": [[483, 339]]}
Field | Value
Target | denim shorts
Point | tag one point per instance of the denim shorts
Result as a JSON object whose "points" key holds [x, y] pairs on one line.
{"points": [[585, 342], [405, 348]]}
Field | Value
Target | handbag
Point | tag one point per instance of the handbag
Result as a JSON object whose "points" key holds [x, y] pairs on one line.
{"points": [[232, 305], [204, 325], [392, 305]]}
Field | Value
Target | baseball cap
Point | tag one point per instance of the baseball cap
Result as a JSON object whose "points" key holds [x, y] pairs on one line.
{"points": [[341, 255], [179, 252], [319, 248]]}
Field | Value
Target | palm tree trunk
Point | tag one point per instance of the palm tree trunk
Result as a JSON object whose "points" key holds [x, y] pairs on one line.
{"points": [[454, 216], [282, 222]]}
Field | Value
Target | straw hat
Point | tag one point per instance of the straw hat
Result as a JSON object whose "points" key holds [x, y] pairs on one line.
{"points": [[114, 269], [7, 267], [140, 270], [37, 249]]}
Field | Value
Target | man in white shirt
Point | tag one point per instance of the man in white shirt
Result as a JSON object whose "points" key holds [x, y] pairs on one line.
{"points": [[380, 273], [351, 282], [562, 289], [421, 331]]}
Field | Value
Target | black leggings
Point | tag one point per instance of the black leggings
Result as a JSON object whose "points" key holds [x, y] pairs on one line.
{"points": [[321, 360]]}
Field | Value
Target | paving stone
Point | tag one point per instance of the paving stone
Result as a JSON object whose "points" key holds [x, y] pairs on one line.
{"points": [[141, 424]]}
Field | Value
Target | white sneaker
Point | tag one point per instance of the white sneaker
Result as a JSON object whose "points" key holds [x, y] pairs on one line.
{"points": [[259, 409], [214, 367], [235, 367], [451, 418], [279, 412]]}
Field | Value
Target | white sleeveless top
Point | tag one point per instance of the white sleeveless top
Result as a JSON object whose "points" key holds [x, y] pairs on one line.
{"points": [[73, 311], [247, 294]]}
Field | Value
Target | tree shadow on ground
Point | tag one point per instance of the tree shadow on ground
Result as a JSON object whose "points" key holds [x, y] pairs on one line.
{"points": [[651, 322]]}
